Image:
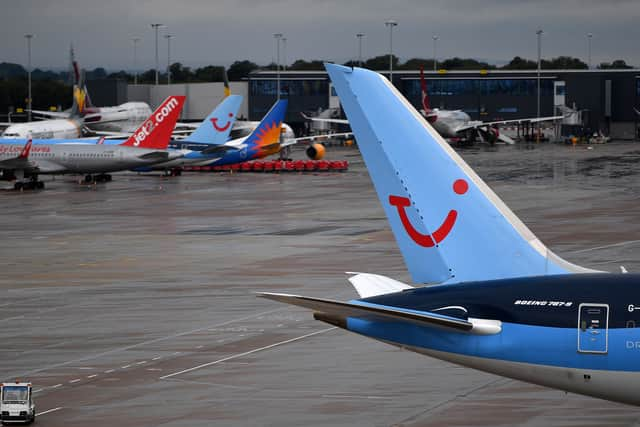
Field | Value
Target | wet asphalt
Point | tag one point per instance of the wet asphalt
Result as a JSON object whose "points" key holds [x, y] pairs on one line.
{"points": [[132, 302]]}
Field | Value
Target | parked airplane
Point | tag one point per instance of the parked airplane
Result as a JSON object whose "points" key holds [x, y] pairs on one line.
{"points": [[263, 141], [148, 145], [83, 118], [269, 137], [504, 302], [456, 124]]}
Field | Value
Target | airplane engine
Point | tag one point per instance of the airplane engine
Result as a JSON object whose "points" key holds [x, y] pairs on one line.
{"points": [[315, 151]]}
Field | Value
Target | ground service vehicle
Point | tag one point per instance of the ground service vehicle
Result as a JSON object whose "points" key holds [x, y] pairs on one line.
{"points": [[16, 404]]}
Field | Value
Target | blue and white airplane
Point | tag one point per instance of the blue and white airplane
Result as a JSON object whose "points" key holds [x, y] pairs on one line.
{"points": [[499, 301], [209, 143]]}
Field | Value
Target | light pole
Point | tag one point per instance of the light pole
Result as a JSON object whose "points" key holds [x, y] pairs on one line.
{"points": [[539, 34], [278, 36], [589, 36], [28, 37], [168, 37], [284, 53], [435, 63], [391, 24], [155, 27], [360, 36], [135, 59]]}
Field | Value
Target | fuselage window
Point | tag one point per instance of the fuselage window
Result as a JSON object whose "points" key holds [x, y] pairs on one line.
{"points": [[631, 323]]}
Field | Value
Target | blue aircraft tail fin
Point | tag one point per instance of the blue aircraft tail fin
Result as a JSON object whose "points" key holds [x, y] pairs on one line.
{"points": [[216, 127], [267, 133], [450, 226]]}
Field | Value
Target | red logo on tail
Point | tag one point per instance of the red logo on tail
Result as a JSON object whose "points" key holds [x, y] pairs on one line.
{"points": [[214, 122], [26, 150], [428, 240]]}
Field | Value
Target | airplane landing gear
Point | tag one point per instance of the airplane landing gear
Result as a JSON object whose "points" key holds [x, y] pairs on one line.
{"points": [[103, 177], [92, 179], [173, 172], [32, 184]]}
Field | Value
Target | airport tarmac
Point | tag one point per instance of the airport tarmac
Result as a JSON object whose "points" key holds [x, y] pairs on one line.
{"points": [[131, 303]]}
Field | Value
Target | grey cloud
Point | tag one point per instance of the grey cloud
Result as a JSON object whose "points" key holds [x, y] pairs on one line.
{"points": [[221, 31]]}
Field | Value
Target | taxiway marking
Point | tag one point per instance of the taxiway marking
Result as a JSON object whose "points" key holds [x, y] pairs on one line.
{"points": [[246, 353], [48, 411], [143, 343]]}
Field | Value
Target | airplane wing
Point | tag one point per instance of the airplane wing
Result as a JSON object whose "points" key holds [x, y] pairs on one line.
{"points": [[367, 310], [476, 125], [111, 135], [214, 149], [317, 119], [52, 114], [324, 137], [155, 155], [188, 125]]}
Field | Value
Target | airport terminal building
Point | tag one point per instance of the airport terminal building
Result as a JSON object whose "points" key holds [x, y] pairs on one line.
{"points": [[605, 100]]}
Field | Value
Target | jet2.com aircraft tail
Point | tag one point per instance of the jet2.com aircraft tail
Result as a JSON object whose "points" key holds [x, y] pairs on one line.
{"points": [[155, 132], [450, 226], [215, 129]]}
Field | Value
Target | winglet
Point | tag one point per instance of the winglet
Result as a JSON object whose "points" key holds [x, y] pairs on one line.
{"points": [[24, 154], [155, 132]]}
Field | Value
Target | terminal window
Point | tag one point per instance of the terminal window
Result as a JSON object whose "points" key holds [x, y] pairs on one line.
{"points": [[458, 87], [289, 87]]}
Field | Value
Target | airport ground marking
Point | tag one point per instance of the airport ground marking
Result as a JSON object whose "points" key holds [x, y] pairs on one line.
{"points": [[92, 376], [613, 245], [153, 341], [352, 396], [75, 381], [108, 371], [48, 411], [56, 386], [246, 353]]}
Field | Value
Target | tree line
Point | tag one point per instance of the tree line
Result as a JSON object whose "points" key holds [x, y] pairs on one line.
{"points": [[52, 88]]}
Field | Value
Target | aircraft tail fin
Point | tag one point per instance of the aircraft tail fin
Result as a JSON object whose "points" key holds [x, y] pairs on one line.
{"points": [[227, 88], [423, 91], [81, 100], [216, 127], [450, 226], [24, 154], [155, 132], [268, 132]]}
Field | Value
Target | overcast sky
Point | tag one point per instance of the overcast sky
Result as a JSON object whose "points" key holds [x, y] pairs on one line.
{"points": [[221, 31]]}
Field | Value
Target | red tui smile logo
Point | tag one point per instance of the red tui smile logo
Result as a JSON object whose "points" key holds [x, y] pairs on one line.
{"points": [[214, 122], [460, 187]]}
